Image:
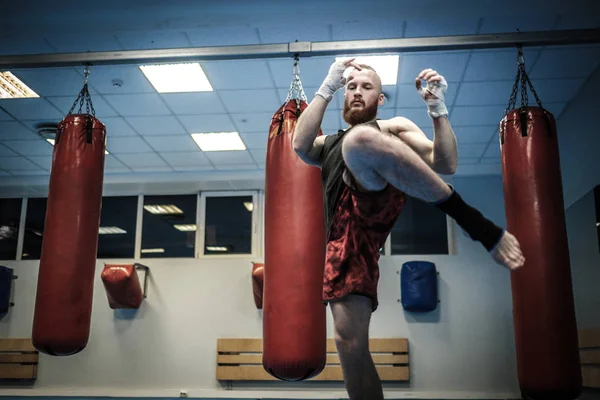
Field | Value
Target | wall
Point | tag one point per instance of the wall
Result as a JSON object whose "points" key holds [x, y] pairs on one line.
{"points": [[463, 350]]}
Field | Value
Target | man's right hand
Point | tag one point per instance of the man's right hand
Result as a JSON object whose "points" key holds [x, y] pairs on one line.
{"points": [[335, 79]]}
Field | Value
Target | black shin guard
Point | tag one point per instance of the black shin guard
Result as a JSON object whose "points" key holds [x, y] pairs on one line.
{"points": [[470, 219]]}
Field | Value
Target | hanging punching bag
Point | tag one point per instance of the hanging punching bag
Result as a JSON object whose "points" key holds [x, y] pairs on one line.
{"points": [[543, 306], [294, 321], [63, 303]]}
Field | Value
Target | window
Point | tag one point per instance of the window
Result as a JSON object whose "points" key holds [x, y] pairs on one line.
{"points": [[34, 228], [169, 226], [116, 238], [228, 223], [10, 216], [420, 229]]}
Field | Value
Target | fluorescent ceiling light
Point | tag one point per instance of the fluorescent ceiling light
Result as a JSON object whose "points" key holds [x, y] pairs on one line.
{"points": [[249, 205], [385, 66], [51, 141], [163, 209], [186, 228], [12, 87], [219, 141], [153, 250], [177, 78], [110, 230], [216, 248]]}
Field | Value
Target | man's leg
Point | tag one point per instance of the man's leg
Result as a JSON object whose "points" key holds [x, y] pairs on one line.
{"points": [[375, 158], [351, 319]]}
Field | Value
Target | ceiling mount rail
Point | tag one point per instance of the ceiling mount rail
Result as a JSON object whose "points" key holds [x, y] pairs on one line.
{"points": [[304, 49]]}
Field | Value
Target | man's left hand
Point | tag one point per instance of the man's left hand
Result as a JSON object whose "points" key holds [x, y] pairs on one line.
{"points": [[434, 93]]}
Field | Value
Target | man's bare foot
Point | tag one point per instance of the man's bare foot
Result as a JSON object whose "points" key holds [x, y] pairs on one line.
{"points": [[508, 252]]}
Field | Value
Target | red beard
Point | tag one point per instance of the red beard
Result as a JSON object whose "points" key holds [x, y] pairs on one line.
{"points": [[359, 116]]}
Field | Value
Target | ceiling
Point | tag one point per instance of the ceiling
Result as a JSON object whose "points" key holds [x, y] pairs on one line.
{"points": [[148, 134]]}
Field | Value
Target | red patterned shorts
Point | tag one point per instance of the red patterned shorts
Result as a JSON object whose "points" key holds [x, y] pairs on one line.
{"points": [[359, 228]]}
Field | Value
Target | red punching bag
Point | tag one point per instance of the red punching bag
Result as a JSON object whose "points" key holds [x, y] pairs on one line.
{"points": [[294, 321], [543, 306], [63, 303]]}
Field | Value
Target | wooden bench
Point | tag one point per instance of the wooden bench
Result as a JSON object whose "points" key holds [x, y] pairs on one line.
{"points": [[18, 359], [241, 360], [589, 353]]}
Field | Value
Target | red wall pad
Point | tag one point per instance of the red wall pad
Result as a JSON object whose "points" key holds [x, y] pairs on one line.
{"points": [[122, 285]]}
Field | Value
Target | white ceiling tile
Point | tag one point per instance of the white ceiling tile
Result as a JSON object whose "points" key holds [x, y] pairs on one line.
{"points": [[237, 167], [162, 125], [3, 115], [117, 127], [83, 43], [111, 163], [491, 160], [4, 173], [142, 160], [229, 157], [18, 164], [43, 162], [238, 74], [196, 168], [479, 169], [6, 152], [450, 65], [522, 22], [132, 80], [129, 144], [25, 45], [408, 97], [32, 109], [566, 62], [53, 81], [439, 26], [355, 30], [244, 101], [101, 107], [207, 123], [153, 40], [484, 93], [497, 65], [555, 108], [30, 172], [259, 155], [255, 140], [578, 20], [332, 121], [471, 150], [493, 150], [14, 130], [476, 116], [286, 33], [152, 169], [555, 90], [38, 147], [474, 134], [222, 36], [194, 103], [467, 161], [382, 113], [417, 115], [253, 122], [172, 143], [188, 159], [136, 105]]}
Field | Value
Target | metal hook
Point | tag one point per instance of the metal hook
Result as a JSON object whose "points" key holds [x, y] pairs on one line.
{"points": [[87, 71]]}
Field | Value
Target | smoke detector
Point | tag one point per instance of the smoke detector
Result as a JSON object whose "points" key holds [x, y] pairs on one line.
{"points": [[47, 130]]}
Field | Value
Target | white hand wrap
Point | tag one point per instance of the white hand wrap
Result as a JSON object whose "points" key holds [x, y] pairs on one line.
{"points": [[334, 81], [435, 107]]}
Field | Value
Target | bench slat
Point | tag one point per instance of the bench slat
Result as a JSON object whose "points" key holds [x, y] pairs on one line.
{"points": [[331, 359], [589, 338], [16, 345], [590, 356], [591, 376], [379, 345], [329, 373], [18, 371], [18, 358]]}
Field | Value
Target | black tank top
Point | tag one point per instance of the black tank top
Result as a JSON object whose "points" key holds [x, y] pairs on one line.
{"points": [[332, 170]]}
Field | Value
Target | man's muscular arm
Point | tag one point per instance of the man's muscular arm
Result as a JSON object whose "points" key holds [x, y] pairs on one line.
{"points": [[306, 143]]}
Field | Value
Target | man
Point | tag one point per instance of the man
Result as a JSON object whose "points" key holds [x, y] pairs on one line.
{"points": [[367, 171]]}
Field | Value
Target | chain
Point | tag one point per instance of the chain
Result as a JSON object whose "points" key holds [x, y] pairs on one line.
{"points": [[296, 91], [523, 79], [84, 96]]}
